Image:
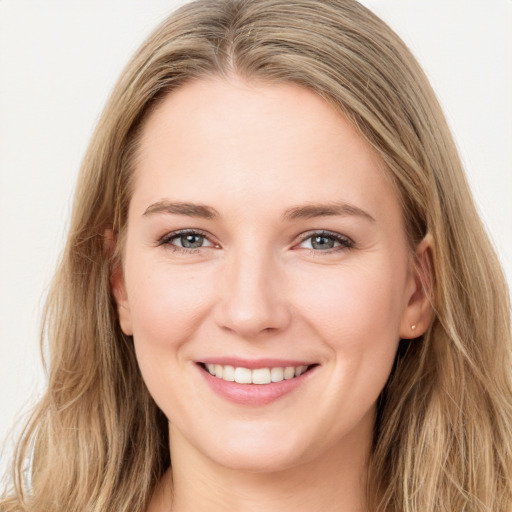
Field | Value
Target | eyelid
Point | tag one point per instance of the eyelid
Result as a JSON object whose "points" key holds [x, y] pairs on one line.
{"points": [[344, 241], [166, 239]]}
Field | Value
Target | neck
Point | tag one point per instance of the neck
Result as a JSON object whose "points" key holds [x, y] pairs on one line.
{"points": [[333, 481]]}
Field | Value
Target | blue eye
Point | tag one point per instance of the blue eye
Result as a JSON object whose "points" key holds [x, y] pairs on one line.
{"points": [[326, 241], [186, 240], [190, 241], [320, 241]]}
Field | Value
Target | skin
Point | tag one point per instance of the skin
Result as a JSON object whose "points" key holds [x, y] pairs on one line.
{"points": [[257, 288]]}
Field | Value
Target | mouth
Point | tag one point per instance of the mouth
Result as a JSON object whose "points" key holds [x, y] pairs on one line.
{"points": [[258, 376], [255, 382]]}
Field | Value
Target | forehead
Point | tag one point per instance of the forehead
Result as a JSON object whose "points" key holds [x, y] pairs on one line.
{"points": [[214, 140]]}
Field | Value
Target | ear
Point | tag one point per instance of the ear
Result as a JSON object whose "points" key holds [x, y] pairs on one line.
{"points": [[419, 311], [117, 285]]}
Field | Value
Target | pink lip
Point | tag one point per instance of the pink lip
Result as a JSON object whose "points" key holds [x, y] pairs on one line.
{"points": [[253, 394]]}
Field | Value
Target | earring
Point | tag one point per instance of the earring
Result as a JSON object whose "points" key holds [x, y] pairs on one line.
{"points": [[413, 327]]}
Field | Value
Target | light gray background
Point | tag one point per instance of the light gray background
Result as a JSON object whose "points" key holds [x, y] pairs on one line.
{"points": [[60, 58]]}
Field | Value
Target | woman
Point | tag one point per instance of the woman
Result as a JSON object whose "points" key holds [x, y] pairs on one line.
{"points": [[276, 278]]}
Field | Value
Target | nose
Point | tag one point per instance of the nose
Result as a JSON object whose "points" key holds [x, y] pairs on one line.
{"points": [[253, 297]]}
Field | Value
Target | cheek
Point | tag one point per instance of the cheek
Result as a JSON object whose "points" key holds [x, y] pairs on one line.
{"points": [[355, 312], [166, 305], [354, 302]]}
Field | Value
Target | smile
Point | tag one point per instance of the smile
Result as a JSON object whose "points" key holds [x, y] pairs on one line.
{"points": [[243, 375], [255, 382]]}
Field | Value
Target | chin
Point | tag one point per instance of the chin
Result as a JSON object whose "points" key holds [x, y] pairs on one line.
{"points": [[259, 452], [270, 460]]}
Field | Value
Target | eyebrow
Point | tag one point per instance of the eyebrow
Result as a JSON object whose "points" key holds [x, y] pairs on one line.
{"points": [[188, 209], [313, 210], [308, 211]]}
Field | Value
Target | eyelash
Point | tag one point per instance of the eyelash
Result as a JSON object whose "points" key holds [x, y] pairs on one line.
{"points": [[167, 239], [343, 241]]}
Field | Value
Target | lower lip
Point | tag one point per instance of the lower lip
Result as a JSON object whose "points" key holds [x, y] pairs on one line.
{"points": [[254, 394]]}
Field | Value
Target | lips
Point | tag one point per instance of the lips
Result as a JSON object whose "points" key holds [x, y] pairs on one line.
{"points": [[254, 382]]}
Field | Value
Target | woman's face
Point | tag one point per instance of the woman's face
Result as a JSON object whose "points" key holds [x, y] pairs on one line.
{"points": [[264, 239]]}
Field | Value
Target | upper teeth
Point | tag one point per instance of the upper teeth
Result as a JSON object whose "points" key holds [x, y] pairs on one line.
{"points": [[256, 376]]}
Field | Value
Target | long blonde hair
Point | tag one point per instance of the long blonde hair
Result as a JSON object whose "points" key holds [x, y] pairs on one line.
{"points": [[443, 436]]}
